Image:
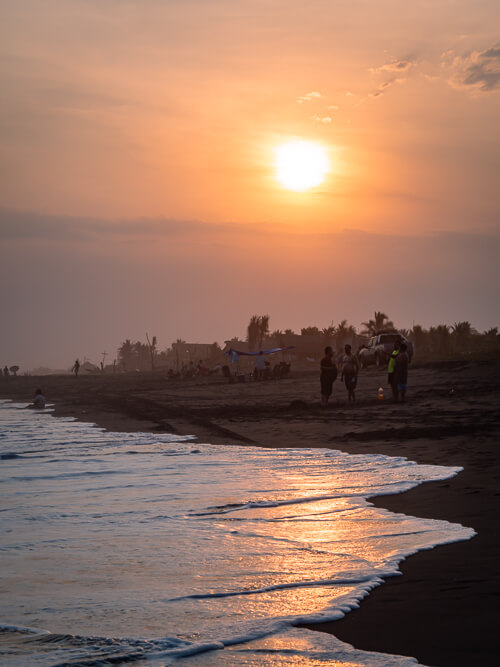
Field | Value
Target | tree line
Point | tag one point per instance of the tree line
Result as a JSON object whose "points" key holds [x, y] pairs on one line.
{"points": [[442, 341]]}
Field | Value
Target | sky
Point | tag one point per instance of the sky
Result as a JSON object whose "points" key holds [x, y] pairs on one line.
{"points": [[138, 188]]}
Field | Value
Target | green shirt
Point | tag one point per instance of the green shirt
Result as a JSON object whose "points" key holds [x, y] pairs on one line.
{"points": [[392, 361]]}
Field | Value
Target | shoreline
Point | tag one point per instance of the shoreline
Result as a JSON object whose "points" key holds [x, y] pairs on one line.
{"points": [[443, 607]]}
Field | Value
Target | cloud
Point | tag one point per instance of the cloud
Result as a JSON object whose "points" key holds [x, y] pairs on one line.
{"points": [[28, 226], [398, 67], [478, 71], [309, 96], [394, 66], [326, 120], [71, 97], [385, 85]]}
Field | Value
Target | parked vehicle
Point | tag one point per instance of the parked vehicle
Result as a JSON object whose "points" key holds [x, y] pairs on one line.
{"points": [[379, 348]]}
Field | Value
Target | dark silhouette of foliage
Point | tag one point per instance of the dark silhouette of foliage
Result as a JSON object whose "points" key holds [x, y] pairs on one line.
{"points": [[381, 321], [152, 350], [310, 331], [257, 331]]}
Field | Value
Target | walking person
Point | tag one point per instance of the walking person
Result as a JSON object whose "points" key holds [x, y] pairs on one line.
{"points": [[401, 372], [328, 376], [350, 370], [76, 367]]}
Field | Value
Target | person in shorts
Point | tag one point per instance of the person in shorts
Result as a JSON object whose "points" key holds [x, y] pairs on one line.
{"points": [[401, 372], [350, 370]]}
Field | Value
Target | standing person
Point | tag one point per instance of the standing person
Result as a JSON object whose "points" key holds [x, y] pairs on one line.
{"points": [[260, 366], [390, 370], [76, 368], [350, 370], [401, 372], [328, 376]]}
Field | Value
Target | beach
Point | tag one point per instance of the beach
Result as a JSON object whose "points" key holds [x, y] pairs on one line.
{"points": [[442, 609]]}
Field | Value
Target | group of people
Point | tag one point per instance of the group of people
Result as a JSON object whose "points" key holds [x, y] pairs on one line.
{"points": [[192, 370], [397, 370], [264, 371]]}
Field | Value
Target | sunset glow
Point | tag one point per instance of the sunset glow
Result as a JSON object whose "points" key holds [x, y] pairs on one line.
{"points": [[301, 165], [194, 141]]}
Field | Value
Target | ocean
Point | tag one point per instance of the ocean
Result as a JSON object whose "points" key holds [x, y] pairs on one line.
{"points": [[155, 549]]}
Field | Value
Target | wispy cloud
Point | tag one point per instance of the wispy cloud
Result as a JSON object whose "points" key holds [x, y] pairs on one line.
{"points": [[397, 66], [386, 84], [478, 71], [326, 120], [78, 98], [309, 96], [398, 69], [31, 226]]}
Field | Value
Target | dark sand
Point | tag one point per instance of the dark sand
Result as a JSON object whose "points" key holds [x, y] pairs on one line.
{"points": [[443, 610]]}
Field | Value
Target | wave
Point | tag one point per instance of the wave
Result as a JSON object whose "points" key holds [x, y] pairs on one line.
{"points": [[67, 650], [119, 539]]}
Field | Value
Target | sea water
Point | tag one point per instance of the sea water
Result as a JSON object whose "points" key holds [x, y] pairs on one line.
{"points": [[154, 549]]}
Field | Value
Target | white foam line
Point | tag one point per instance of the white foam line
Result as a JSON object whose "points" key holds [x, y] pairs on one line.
{"points": [[342, 581], [22, 628]]}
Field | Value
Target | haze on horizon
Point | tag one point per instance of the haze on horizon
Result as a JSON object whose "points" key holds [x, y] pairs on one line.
{"points": [[138, 190]]}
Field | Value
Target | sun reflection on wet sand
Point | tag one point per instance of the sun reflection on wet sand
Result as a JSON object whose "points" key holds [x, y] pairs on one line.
{"points": [[193, 543]]}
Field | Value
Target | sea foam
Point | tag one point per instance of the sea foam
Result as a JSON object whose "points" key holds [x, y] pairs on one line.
{"points": [[184, 549]]}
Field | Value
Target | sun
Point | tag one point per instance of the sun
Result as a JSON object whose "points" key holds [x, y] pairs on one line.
{"points": [[301, 165]]}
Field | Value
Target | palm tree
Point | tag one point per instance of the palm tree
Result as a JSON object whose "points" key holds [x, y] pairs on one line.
{"points": [[263, 329], [278, 336], [253, 332], [257, 330], [462, 332], [141, 354], [126, 354], [440, 338], [310, 331], [152, 350], [340, 334], [328, 334], [491, 334], [380, 321], [419, 337], [352, 332]]}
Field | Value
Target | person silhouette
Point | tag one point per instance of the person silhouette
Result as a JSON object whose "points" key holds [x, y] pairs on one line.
{"points": [[350, 369], [39, 400], [327, 376]]}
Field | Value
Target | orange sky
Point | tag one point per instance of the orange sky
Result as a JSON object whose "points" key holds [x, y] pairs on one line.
{"points": [[161, 110]]}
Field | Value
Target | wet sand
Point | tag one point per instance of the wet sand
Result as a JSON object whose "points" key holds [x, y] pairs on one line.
{"points": [[444, 607]]}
